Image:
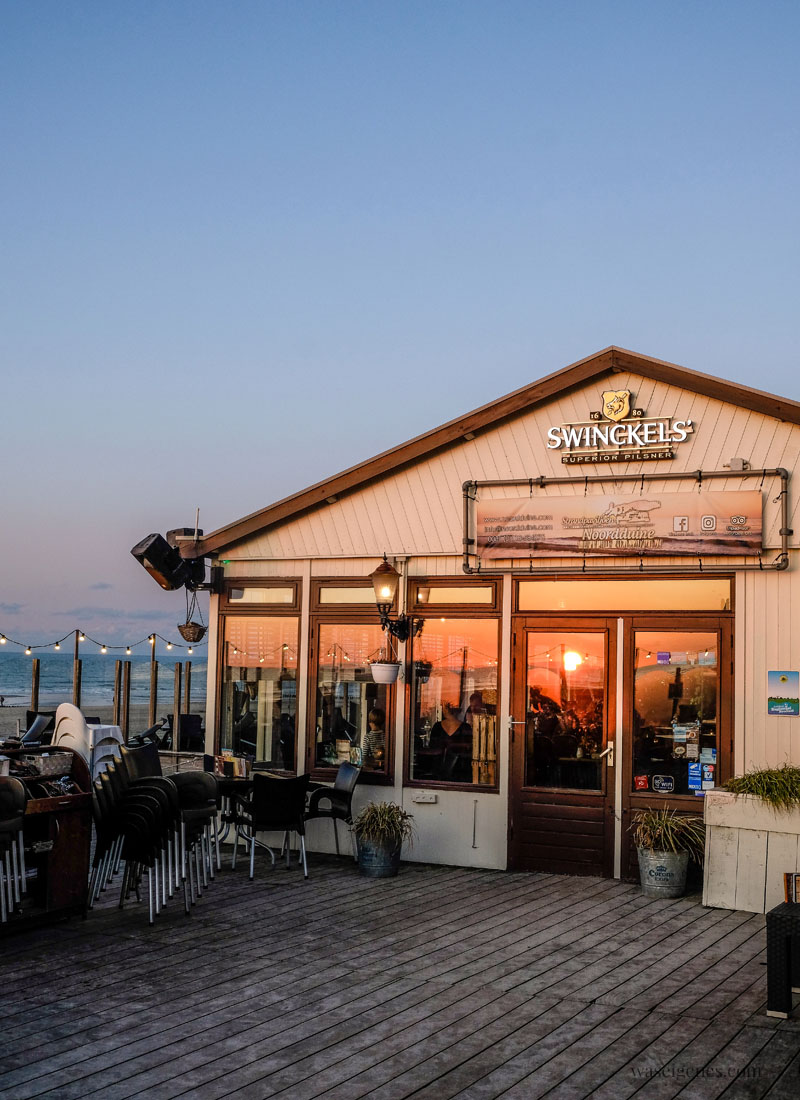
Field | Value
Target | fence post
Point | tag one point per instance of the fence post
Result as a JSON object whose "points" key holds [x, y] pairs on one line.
{"points": [[151, 713], [35, 684], [76, 673], [126, 699], [117, 691], [187, 687], [176, 709]]}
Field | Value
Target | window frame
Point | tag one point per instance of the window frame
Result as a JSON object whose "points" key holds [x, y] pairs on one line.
{"points": [[443, 785], [272, 611], [227, 606], [468, 610], [344, 615]]}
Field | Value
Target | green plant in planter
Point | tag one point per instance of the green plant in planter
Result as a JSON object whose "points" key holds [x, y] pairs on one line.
{"points": [[669, 831], [380, 830], [780, 787], [665, 840]]}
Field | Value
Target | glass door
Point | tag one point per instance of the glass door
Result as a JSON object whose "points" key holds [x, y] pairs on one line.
{"points": [[678, 715], [562, 755]]}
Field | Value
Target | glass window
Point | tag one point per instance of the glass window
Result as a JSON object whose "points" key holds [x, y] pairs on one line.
{"points": [[259, 688], [351, 721], [616, 594], [347, 595], [441, 594], [675, 712], [454, 702], [565, 710], [261, 595]]}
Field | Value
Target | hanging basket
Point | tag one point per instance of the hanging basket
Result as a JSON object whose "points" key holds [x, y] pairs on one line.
{"points": [[385, 672], [192, 632], [423, 670]]}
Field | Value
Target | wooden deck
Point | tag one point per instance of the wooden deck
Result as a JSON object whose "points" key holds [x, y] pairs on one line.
{"points": [[444, 982]]}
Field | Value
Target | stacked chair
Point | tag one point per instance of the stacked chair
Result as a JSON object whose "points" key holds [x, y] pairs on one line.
{"points": [[165, 825], [13, 800]]}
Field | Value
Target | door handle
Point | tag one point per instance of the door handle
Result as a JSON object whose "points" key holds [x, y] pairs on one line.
{"points": [[609, 752], [511, 721]]}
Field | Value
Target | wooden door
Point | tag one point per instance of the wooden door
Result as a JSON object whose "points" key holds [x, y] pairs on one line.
{"points": [[562, 764]]}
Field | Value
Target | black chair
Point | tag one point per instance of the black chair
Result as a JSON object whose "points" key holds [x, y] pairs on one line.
{"points": [[339, 798], [274, 805], [13, 800]]}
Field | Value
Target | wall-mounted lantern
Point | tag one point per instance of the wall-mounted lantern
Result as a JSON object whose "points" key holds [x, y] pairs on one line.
{"points": [[386, 580]]}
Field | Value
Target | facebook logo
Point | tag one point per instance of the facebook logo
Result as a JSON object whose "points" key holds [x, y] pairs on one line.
{"points": [[680, 524]]}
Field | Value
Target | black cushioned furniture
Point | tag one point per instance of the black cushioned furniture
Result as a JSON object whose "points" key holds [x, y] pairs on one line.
{"points": [[783, 958]]}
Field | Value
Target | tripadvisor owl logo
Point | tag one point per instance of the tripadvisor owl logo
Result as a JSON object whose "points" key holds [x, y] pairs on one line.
{"points": [[619, 432]]}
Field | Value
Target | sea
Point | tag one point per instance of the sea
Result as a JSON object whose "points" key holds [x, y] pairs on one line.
{"points": [[97, 678]]}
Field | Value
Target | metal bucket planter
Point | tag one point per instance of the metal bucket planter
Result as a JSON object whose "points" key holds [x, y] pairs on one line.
{"points": [[662, 874], [378, 860]]}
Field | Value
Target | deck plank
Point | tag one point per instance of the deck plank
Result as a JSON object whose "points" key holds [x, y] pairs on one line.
{"points": [[444, 982]]}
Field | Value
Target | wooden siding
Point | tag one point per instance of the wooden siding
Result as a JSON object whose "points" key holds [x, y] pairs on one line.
{"points": [[419, 509], [767, 637]]}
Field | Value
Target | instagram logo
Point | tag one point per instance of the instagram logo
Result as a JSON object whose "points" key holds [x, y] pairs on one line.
{"points": [[708, 523]]}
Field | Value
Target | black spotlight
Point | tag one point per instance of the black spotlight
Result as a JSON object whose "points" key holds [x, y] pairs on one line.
{"points": [[162, 562]]}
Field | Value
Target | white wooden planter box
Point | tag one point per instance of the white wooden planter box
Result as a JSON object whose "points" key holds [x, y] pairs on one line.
{"points": [[749, 846]]}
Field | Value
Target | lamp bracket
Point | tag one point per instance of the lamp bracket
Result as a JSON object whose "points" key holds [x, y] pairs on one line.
{"points": [[403, 627]]}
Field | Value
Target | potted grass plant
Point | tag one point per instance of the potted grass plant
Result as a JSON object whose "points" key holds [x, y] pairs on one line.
{"points": [[665, 841], [753, 839], [380, 830]]}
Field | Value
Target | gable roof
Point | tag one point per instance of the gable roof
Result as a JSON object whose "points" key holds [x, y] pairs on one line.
{"points": [[610, 360]]}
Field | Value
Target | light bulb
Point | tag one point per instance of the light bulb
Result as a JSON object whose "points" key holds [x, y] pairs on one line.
{"points": [[189, 650], [103, 649], [82, 638], [28, 651], [572, 660], [127, 649], [2, 639], [57, 645], [152, 639], [169, 645]]}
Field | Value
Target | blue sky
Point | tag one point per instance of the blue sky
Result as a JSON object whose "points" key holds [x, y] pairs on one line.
{"points": [[222, 223]]}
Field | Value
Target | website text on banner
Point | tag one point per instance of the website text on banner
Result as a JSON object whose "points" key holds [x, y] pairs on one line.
{"points": [[670, 523]]}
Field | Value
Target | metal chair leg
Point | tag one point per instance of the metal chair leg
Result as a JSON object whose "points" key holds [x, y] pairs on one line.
{"points": [[23, 870], [3, 907], [336, 835], [303, 851]]}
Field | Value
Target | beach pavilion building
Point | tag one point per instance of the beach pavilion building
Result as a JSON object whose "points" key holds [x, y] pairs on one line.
{"points": [[596, 574]]}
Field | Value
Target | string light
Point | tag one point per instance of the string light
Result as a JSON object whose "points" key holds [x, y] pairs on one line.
{"points": [[104, 647]]}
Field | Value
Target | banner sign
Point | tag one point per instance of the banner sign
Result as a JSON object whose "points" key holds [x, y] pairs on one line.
{"points": [[695, 524]]}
